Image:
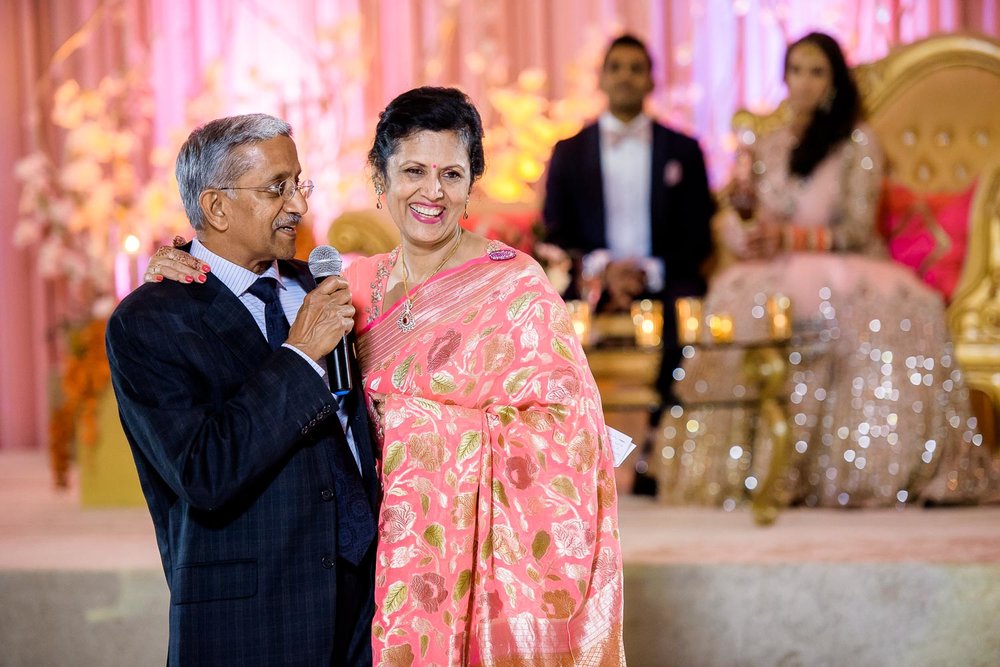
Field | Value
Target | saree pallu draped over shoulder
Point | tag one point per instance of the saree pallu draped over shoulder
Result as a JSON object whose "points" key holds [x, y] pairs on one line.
{"points": [[499, 527]]}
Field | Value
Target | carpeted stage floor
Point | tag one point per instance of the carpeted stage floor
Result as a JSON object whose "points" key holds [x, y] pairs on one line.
{"points": [[703, 588]]}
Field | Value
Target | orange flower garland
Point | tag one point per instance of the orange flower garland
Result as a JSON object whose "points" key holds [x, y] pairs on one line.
{"points": [[85, 375]]}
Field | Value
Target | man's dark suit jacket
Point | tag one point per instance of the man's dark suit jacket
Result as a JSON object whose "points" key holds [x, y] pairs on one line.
{"points": [[681, 208], [255, 496]]}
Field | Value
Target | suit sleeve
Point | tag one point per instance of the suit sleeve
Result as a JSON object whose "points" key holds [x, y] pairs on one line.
{"points": [[208, 448], [555, 208]]}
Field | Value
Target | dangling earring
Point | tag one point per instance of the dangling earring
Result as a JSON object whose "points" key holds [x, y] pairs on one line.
{"points": [[378, 196], [827, 102], [466, 214]]}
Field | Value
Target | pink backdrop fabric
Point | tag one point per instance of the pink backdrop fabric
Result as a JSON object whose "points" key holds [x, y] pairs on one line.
{"points": [[330, 65]]}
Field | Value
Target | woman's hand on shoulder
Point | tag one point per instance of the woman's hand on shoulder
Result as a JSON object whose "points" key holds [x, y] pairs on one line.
{"points": [[174, 264]]}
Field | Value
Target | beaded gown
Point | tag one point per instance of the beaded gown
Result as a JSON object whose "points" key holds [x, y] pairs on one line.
{"points": [[875, 406]]}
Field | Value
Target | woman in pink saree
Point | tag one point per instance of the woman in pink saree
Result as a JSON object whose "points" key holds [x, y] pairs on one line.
{"points": [[498, 529]]}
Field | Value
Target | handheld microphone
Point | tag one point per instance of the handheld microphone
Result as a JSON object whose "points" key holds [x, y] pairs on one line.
{"points": [[325, 261]]}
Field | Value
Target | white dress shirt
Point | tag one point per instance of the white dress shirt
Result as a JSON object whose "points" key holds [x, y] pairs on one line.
{"points": [[626, 175], [290, 294]]}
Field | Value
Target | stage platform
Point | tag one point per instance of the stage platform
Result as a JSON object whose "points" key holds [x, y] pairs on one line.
{"points": [[704, 588]]}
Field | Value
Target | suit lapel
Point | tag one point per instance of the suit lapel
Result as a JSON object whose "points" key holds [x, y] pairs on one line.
{"points": [[232, 322], [658, 162], [659, 194], [362, 436], [594, 184]]}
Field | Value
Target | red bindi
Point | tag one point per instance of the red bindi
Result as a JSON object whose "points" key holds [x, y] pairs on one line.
{"points": [[434, 166]]}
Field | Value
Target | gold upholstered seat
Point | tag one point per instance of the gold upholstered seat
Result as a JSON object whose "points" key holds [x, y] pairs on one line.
{"points": [[365, 232], [935, 105]]}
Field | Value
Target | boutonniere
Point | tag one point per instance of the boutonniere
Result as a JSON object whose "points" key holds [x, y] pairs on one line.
{"points": [[672, 173]]}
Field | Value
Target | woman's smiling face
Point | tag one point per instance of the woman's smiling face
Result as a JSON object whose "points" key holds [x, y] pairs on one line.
{"points": [[428, 186]]}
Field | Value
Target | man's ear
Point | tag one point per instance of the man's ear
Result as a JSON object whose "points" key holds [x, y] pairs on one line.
{"points": [[215, 209]]}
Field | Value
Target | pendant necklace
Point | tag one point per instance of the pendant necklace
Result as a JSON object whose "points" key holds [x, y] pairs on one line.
{"points": [[405, 320]]}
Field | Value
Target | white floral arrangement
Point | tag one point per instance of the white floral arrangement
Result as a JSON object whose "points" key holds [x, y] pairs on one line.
{"points": [[101, 186]]}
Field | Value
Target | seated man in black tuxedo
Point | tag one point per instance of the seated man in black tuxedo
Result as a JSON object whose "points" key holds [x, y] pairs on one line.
{"points": [[629, 200], [261, 483]]}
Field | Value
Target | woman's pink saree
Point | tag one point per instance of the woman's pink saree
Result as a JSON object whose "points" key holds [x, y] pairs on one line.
{"points": [[498, 530]]}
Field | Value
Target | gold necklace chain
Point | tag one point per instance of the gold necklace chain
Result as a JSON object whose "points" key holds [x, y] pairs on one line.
{"points": [[405, 319]]}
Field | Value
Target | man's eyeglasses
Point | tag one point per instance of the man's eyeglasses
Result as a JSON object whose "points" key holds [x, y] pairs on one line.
{"points": [[285, 189]]}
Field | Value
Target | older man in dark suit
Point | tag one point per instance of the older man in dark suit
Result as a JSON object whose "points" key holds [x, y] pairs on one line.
{"points": [[260, 482], [629, 199]]}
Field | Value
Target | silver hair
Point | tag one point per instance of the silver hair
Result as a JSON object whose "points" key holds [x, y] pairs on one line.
{"points": [[208, 159]]}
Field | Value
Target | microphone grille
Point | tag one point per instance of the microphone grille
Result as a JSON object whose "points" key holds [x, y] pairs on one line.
{"points": [[325, 261]]}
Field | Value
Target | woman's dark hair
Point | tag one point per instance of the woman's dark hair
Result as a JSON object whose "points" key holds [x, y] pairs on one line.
{"points": [[433, 109], [831, 123]]}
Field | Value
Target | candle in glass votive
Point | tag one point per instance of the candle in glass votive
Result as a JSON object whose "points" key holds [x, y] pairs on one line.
{"points": [[779, 316], [647, 316], [579, 315], [688, 320], [720, 325], [131, 246]]}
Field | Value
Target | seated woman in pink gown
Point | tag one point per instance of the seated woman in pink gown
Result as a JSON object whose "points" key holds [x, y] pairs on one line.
{"points": [[877, 410], [498, 531]]}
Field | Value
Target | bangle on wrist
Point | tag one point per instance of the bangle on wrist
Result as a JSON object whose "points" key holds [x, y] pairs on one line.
{"points": [[798, 237], [823, 239]]}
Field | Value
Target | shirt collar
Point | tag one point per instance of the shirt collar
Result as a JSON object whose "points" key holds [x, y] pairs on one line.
{"points": [[237, 278], [608, 121]]}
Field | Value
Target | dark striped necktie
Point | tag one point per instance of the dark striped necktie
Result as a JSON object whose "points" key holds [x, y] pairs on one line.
{"points": [[266, 289]]}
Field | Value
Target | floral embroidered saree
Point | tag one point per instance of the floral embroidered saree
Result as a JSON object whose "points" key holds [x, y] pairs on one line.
{"points": [[498, 533]]}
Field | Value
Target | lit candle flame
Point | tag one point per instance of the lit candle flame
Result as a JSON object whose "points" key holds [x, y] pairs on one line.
{"points": [[132, 244]]}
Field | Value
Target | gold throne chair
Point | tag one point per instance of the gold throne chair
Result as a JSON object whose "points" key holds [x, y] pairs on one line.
{"points": [[364, 231], [935, 106]]}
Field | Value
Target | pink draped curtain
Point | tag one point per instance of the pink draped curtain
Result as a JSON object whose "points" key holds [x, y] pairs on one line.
{"points": [[330, 65]]}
